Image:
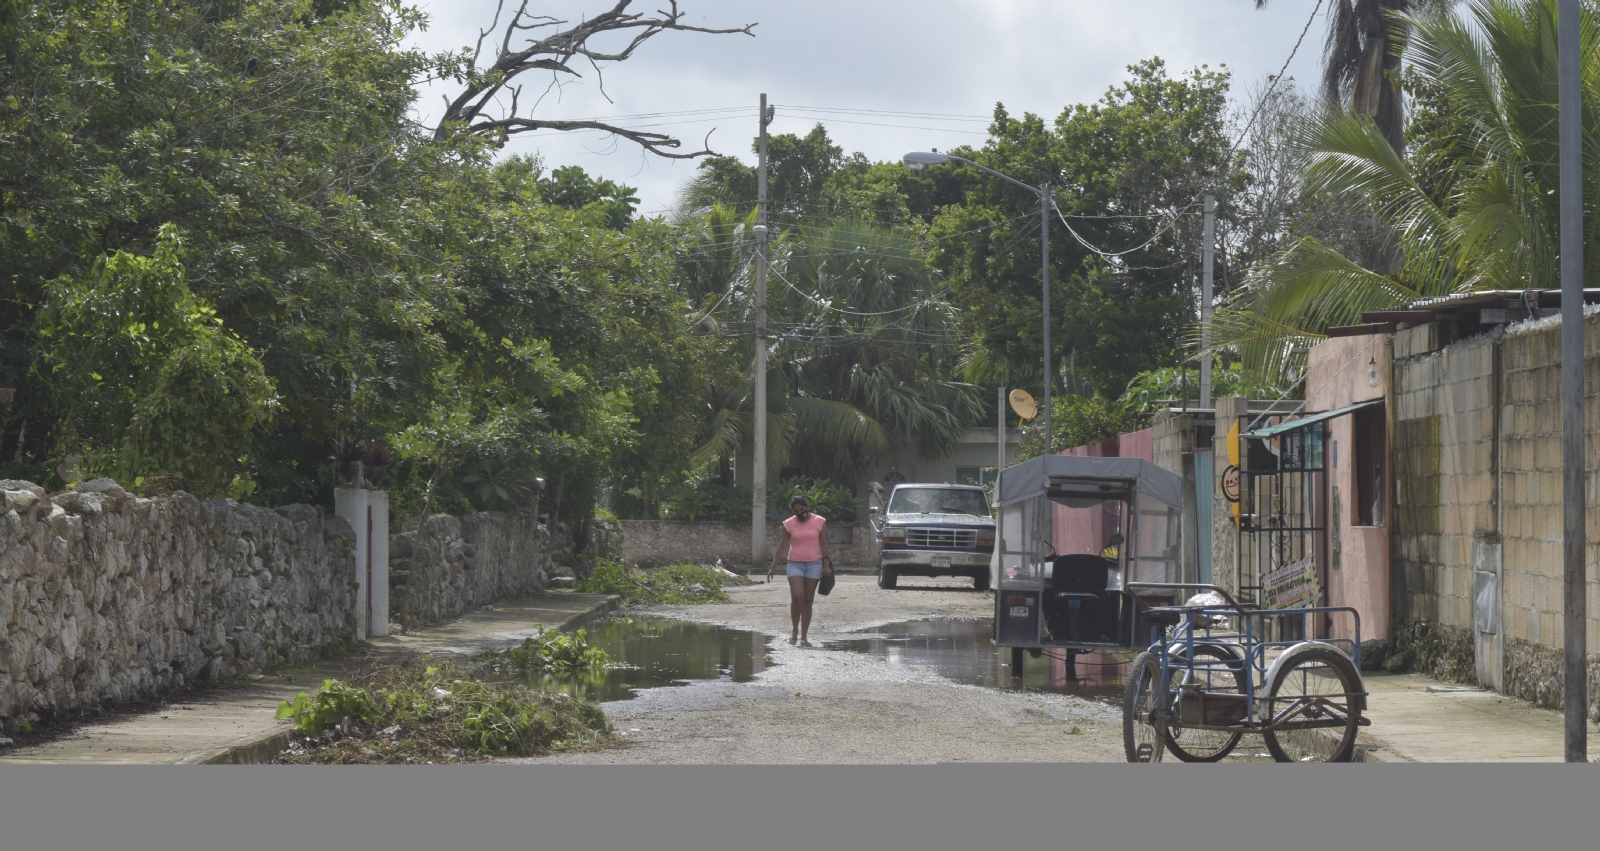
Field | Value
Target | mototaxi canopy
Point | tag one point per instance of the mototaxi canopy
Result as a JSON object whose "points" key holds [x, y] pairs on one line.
{"points": [[1080, 481]]}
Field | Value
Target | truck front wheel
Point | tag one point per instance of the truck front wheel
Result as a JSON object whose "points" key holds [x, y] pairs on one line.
{"points": [[887, 576]]}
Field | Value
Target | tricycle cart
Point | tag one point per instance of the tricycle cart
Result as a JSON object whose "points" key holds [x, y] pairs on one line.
{"points": [[1076, 534], [1217, 674]]}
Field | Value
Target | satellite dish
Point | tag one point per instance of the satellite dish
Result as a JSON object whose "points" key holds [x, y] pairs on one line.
{"points": [[1023, 404]]}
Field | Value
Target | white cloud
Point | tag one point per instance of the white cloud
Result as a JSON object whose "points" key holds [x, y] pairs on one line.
{"points": [[934, 56]]}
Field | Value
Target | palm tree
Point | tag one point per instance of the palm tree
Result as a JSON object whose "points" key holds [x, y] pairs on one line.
{"points": [[1361, 60], [1491, 224], [863, 339]]}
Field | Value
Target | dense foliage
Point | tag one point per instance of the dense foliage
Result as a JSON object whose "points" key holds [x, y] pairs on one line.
{"points": [[1471, 203], [226, 246], [436, 711]]}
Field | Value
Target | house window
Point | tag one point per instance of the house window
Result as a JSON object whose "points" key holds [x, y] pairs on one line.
{"points": [[974, 475], [1372, 452]]}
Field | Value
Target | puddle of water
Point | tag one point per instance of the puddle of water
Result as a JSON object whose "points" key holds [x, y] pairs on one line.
{"points": [[964, 651], [650, 652]]}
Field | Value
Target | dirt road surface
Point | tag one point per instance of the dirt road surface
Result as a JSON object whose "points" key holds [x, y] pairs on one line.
{"points": [[836, 707]]}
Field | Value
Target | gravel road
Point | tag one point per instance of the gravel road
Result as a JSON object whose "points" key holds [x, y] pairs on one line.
{"points": [[830, 706]]}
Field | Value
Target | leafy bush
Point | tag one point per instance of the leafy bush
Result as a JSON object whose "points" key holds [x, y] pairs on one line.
{"points": [[672, 585], [550, 650], [835, 502], [332, 703], [436, 711], [701, 497]]}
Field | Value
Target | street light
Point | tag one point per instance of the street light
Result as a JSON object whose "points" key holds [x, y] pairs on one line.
{"points": [[919, 159]]}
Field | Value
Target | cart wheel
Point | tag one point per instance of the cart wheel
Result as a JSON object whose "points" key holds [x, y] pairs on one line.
{"points": [[1206, 745], [1016, 661], [1143, 742], [1314, 690], [887, 576]]}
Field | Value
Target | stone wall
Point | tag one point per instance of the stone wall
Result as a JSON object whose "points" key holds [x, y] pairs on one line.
{"points": [[105, 596], [652, 543], [464, 563]]}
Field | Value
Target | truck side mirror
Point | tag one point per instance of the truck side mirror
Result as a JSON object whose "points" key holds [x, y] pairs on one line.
{"points": [[873, 510]]}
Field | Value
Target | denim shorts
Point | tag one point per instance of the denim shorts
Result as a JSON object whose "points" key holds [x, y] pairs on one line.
{"points": [[808, 569]]}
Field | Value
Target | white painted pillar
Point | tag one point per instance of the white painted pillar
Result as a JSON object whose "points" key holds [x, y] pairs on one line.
{"points": [[367, 512]]}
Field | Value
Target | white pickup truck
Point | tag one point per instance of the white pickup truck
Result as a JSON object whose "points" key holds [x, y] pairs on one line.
{"points": [[934, 530]]}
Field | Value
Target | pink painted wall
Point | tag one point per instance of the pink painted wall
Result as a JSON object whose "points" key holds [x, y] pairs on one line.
{"points": [[1338, 377], [1086, 530]]}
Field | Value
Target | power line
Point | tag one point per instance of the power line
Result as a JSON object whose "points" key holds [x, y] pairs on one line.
{"points": [[1275, 80], [950, 116]]}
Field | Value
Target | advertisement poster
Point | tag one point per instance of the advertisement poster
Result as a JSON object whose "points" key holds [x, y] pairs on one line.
{"points": [[1292, 586]]}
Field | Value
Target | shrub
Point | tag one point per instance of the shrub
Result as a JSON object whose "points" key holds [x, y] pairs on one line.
{"points": [[835, 502], [437, 711], [550, 650], [673, 585]]}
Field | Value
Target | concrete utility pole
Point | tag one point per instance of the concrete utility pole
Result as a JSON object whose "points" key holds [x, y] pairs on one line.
{"points": [[758, 475], [1206, 254], [1574, 535], [1044, 250], [1000, 434]]}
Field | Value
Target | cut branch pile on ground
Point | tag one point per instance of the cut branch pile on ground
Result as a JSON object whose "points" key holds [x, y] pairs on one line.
{"points": [[430, 710], [672, 585]]}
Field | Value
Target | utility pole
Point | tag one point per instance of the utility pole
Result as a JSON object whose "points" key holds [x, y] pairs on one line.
{"points": [[1210, 239], [1574, 536], [758, 475], [1044, 248], [1000, 435]]}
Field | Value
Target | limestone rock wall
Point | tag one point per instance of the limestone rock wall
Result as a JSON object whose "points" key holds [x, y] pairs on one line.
{"points": [[105, 596], [652, 543], [463, 564]]}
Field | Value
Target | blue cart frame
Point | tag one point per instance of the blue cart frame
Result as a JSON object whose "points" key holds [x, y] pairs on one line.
{"points": [[1220, 673]]}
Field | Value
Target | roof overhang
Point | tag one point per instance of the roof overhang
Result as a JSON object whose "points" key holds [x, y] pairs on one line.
{"points": [[1307, 421]]}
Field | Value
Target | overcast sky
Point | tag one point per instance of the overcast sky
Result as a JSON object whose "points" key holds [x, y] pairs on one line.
{"points": [[940, 57]]}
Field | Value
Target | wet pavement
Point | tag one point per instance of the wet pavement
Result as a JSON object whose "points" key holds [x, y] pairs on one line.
{"points": [[653, 652], [963, 651]]}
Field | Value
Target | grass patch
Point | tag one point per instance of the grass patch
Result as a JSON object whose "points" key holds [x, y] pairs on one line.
{"points": [[429, 710], [672, 585]]}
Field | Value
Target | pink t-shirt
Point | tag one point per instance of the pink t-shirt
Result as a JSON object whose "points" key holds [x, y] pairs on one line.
{"points": [[805, 539]]}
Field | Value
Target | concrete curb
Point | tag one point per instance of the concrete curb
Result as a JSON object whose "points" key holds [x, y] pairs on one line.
{"points": [[260, 748]]}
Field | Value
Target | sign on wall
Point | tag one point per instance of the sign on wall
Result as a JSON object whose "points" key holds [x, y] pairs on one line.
{"points": [[1292, 586]]}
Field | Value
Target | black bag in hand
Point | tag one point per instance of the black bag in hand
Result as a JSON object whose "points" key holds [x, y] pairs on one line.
{"points": [[826, 585]]}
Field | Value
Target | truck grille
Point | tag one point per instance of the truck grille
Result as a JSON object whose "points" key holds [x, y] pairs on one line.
{"points": [[941, 539]]}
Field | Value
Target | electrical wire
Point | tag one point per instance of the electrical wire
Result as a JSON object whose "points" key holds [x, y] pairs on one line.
{"points": [[1275, 80]]}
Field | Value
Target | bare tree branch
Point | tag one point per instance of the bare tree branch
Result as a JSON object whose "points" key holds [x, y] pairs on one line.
{"points": [[479, 108]]}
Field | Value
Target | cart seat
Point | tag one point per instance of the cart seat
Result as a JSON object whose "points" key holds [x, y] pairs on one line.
{"points": [[1080, 574]]}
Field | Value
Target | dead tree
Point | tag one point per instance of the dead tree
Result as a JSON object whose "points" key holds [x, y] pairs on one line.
{"points": [[482, 108]]}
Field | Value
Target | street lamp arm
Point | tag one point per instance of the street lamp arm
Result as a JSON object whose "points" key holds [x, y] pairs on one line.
{"points": [[1008, 178]]}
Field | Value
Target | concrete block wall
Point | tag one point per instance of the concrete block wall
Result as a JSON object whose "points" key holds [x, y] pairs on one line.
{"points": [[1531, 479], [1476, 451]]}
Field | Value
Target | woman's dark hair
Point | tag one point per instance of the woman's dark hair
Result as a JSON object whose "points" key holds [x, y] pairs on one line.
{"points": [[799, 499]]}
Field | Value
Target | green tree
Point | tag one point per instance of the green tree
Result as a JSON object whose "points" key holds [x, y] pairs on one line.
{"points": [[1128, 173], [1473, 207], [149, 385]]}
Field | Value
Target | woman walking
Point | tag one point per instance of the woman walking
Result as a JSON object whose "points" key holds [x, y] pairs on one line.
{"points": [[805, 540]]}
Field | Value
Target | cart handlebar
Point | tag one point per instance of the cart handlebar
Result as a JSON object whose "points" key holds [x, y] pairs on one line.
{"points": [[1232, 603]]}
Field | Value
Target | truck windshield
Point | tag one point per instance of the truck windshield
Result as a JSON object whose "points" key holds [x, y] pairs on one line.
{"points": [[939, 501]]}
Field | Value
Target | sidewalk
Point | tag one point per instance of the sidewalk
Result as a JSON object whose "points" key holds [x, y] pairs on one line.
{"points": [[236, 724], [1418, 719]]}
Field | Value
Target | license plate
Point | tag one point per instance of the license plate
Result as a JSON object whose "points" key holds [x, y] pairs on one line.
{"points": [[941, 561], [1019, 611]]}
